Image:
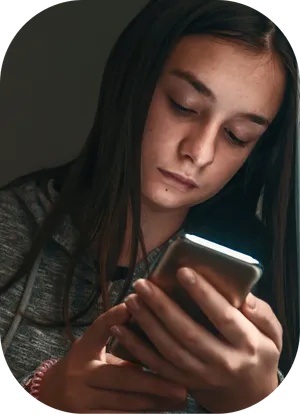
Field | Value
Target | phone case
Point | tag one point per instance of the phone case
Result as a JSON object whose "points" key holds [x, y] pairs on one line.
{"points": [[232, 273]]}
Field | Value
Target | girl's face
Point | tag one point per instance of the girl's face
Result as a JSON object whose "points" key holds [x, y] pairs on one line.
{"points": [[211, 105]]}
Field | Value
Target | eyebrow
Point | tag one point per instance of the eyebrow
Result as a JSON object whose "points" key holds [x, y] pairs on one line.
{"points": [[200, 87]]}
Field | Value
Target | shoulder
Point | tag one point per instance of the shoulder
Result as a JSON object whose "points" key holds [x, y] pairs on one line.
{"points": [[28, 201], [23, 207]]}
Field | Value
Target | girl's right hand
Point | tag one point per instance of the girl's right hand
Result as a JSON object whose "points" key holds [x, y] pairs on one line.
{"points": [[87, 380]]}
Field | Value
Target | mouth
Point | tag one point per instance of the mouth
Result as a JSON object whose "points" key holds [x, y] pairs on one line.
{"points": [[185, 182]]}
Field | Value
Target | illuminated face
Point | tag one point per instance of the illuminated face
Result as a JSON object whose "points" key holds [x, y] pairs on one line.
{"points": [[211, 105]]}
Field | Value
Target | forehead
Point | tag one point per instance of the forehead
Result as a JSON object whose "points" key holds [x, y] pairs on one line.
{"points": [[231, 71]]}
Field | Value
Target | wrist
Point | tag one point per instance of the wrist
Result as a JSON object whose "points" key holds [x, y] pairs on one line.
{"points": [[51, 387], [34, 386], [231, 400]]}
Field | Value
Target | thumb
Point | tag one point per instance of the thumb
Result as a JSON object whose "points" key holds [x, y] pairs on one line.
{"points": [[96, 336], [251, 301]]}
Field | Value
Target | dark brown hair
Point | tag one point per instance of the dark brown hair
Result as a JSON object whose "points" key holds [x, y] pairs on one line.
{"points": [[103, 180]]}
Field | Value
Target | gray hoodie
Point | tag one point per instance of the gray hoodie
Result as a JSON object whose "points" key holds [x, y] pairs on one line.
{"points": [[22, 210]]}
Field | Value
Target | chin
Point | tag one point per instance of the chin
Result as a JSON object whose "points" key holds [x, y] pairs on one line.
{"points": [[165, 200]]}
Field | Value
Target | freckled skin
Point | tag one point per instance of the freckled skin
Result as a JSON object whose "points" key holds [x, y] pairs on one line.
{"points": [[200, 143], [197, 145]]}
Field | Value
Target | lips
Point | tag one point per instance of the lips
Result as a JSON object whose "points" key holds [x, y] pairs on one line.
{"points": [[187, 182]]}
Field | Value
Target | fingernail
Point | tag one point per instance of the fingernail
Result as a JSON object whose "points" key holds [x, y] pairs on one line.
{"points": [[177, 393], [116, 330], [251, 301], [143, 288], [133, 303], [187, 276]]}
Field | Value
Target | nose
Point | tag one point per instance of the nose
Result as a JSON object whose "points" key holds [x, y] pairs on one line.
{"points": [[200, 145]]}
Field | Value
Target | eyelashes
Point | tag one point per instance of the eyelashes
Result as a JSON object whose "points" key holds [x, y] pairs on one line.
{"points": [[179, 109], [234, 139]]}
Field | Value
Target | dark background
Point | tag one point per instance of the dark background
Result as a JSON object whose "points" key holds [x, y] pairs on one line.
{"points": [[50, 81]]}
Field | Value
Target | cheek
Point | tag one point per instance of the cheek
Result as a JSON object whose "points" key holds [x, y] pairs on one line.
{"points": [[160, 135], [161, 121], [225, 168], [158, 122], [215, 178]]}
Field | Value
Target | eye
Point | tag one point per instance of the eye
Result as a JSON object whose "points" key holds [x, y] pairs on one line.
{"points": [[234, 139], [181, 109], [187, 111]]}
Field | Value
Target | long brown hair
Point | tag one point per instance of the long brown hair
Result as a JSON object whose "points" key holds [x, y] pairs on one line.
{"points": [[103, 180]]}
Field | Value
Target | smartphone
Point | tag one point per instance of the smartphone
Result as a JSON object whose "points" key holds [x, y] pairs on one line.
{"points": [[232, 273]]}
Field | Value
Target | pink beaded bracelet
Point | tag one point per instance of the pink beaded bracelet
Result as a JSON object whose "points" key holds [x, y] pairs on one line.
{"points": [[35, 383]]}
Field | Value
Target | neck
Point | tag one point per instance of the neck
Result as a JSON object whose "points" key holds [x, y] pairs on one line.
{"points": [[157, 227]]}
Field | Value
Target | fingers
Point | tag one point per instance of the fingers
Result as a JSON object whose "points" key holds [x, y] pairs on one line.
{"points": [[151, 359], [159, 335], [229, 321], [98, 333], [119, 401], [193, 337], [113, 412], [113, 377], [117, 412], [113, 360], [262, 316]]}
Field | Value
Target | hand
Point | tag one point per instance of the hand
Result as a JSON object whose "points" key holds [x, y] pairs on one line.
{"points": [[224, 374], [88, 380]]}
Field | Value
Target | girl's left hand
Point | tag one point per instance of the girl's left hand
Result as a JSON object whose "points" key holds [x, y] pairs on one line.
{"points": [[224, 374]]}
